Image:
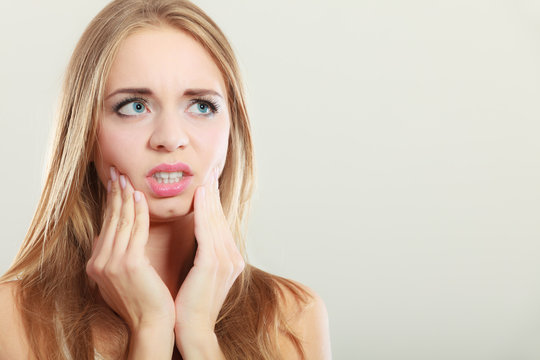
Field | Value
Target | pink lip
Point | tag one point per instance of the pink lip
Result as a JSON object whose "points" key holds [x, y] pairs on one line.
{"points": [[171, 189]]}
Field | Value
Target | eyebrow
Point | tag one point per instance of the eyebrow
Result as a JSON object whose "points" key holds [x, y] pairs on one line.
{"points": [[146, 91]]}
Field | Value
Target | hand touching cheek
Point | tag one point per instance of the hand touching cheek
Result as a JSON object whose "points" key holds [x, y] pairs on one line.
{"points": [[119, 266], [216, 266]]}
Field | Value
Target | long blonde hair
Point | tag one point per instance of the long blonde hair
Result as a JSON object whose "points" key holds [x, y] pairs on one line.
{"points": [[57, 305]]}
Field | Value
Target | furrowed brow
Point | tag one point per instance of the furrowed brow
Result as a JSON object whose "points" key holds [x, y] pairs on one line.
{"points": [[146, 91], [138, 91], [201, 92]]}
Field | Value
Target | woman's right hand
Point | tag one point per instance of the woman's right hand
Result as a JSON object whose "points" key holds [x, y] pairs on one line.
{"points": [[126, 279]]}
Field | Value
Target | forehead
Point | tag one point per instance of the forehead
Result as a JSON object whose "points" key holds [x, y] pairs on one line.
{"points": [[163, 59]]}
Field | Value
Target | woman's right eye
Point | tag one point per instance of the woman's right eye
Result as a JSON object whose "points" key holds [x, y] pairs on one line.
{"points": [[132, 108]]}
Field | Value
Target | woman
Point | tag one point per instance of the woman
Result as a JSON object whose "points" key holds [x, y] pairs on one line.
{"points": [[136, 248]]}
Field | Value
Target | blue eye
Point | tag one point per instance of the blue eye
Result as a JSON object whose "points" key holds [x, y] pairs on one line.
{"points": [[203, 107], [131, 108]]}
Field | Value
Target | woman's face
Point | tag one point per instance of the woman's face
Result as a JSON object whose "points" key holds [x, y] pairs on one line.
{"points": [[165, 104]]}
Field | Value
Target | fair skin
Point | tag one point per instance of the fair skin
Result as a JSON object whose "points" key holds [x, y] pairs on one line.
{"points": [[158, 104], [166, 263]]}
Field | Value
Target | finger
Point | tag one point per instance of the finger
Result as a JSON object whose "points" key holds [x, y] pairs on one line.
{"points": [[105, 242], [205, 250], [212, 192], [200, 209], [220, 232], [212, 211], [139, 233], [216, 179], [127, 216], [235, 257], [224, 241]]}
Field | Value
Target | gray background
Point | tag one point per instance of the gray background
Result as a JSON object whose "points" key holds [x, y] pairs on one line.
{"points": [[398, 157]]}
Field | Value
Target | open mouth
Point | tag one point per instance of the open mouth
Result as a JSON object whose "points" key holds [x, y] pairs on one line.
{"points": [[168, 177], [167, 180]]}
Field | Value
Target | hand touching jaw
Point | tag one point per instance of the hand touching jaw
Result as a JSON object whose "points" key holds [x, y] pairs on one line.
{"points": [[132, 287]]}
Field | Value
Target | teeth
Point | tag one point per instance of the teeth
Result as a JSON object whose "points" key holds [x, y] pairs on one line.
{"points": [[168, 177]]}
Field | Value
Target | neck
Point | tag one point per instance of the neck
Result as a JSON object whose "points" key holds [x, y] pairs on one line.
{"points": [[171, 250]]}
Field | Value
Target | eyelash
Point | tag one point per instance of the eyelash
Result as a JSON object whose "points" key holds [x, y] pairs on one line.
{"points": [[211, 103], [126, 101]]}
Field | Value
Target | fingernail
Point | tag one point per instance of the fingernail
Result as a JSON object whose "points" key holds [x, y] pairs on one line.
{"points": [[123, 181], [202, 191], [137, 196], [109, 186], [113, 174]]}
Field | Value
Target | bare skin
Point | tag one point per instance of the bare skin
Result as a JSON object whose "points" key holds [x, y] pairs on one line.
{"points": [[165, 102], [157, 257]]}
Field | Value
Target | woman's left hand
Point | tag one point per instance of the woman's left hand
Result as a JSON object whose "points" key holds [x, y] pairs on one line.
{"points": [[216, 266]]}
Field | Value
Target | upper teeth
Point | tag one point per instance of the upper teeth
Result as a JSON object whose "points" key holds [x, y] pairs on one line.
{"points": [[168, 177]]}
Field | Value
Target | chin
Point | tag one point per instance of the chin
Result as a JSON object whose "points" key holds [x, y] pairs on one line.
{"points": [[175, 210], [169, 217]]}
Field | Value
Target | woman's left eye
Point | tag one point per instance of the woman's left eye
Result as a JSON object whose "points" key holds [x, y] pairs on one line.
{"points": [[202, 108], [132, 108]]}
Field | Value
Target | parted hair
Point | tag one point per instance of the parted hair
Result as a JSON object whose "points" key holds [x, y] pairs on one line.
{"points": [[59, 307]]}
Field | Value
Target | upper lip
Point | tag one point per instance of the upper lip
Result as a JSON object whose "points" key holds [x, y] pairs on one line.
{"points": [[179, 166]]}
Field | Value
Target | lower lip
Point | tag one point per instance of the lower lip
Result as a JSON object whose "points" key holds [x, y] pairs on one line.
{"points": [[168, 190]]}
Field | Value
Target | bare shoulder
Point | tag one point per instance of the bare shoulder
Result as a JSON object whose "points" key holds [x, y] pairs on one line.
{"points": [[13, 344], [308, 320]]}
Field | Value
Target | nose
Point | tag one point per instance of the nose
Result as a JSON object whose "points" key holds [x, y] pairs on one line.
{"points": [[168, 134]]}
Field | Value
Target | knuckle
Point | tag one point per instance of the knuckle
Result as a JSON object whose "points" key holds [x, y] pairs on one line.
{"points": [[115, 189], [99, 265], [90, 268], [127, 196], [123, 223], [111, 271], [112, 217], [94, 268]]}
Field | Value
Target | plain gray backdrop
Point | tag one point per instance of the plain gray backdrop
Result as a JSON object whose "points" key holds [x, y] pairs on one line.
{"points": [[397, 154]]}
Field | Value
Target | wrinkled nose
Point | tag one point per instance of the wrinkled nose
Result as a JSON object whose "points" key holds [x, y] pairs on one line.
{"points": [[168, 134]]}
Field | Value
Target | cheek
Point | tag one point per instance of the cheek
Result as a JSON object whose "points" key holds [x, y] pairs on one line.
{"points": [[110, 151], [210, 147], [211, 140], [220, 139]]}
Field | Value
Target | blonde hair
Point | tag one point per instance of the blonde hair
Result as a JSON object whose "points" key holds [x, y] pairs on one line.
{"points": [[57, 305]]}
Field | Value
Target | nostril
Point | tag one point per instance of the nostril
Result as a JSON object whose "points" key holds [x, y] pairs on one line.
{"points": [[169, 144], [182, 142]]}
